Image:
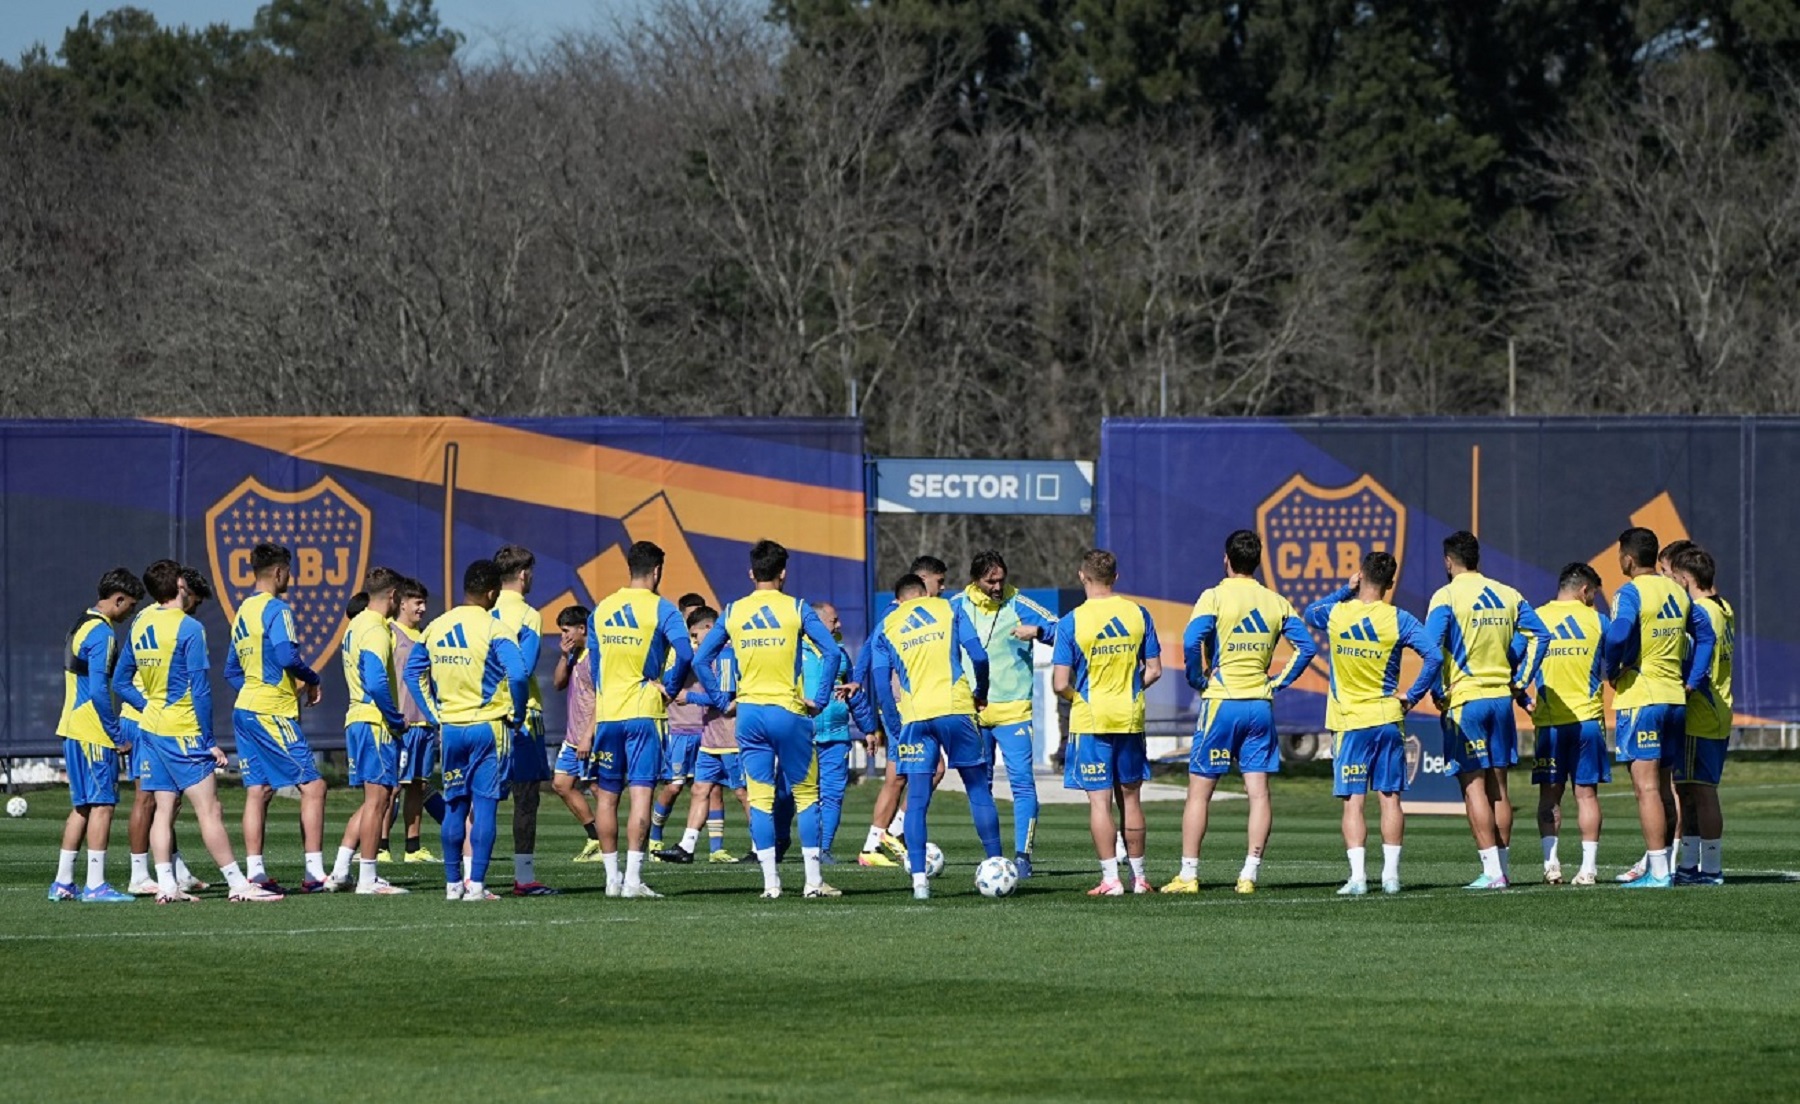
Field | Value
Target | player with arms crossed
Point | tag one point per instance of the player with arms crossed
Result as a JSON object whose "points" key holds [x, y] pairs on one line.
{"points": [[1701, 763], [89, 728], [1106, 656], [1473, 620], [1226, 650], [1646, 646], [1365, 709], [1568, 713], [632, 634], [470, 679], [169, 648], [774, 725]]}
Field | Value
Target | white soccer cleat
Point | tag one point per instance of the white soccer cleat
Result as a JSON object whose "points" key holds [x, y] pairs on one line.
{"points": [[252, 893], [921, 893], [1584, 878], [380, 887], [453, 891], [1632, 873], [1390, 886], [641, 892], [771, 893], [179, 897], [145, 888], [191, 884], [475, 891], [823, 890], [615, 886], [1353, 888], [1552, 873]]}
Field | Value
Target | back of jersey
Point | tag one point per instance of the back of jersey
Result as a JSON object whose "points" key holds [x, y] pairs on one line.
{"points": [[765, 628], [1104, 643], [1709, 708], [263, 622], [468, 675], [927, 660], [163, 644], [628, 654], [1246, 620], [1476, 618], [1574, 668], [1365, 665], [1650, 668]]}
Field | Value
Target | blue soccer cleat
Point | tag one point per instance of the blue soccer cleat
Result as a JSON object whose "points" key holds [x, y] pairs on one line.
{"points": [[63, 891], [1687, 875], [1485, 882], [1716, 878], [105, 894], [1023, 865], [1649, 881]]}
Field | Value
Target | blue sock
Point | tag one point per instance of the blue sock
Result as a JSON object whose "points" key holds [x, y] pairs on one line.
{"points": [[434, 806], [918, 799], [715, 830], [1025, 808], [981, 808], [659, 816], [481, 838], [451, 838]]}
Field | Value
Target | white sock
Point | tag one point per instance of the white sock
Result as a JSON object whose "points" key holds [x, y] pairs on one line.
{"points": [[921, 881], [1690, 852], [253, 867], [1644, 860], [1709, 856], [165, 880], [1252, 867], [366, 873], [315, 864], [1490, 861], [897, 826], [1505, 855], [1659, 864], [182, 873], [341, 868], [1359, 871], [1109, 870], [1119, 846], [524, 869], [874, 839], [809, 857], [1137, 865], [473, 891], [96, 869], [468, 867], [140, 869], [610, 860], [766, 856], [234, 877], [634, 868], [1590, 856], [1190, 867], [65, 866], [690, 839], [1390, 862], [1550, 857]]}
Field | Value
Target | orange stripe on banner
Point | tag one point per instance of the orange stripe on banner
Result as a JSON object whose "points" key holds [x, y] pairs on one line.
{"points": [[517, 464]]}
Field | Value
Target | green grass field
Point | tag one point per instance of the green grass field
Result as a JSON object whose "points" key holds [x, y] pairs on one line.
{"points": [[1538, 992]]}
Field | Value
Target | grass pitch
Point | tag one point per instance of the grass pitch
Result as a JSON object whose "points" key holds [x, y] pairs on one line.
{"points": [[1293, 994]]}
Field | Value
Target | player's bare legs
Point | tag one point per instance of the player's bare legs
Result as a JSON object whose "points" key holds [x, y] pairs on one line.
{"points": [[1479, 806], [1262, 814], [1195, 813]]}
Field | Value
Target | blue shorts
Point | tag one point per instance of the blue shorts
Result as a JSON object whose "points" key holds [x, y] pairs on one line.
{"points": [[1243, 731], [956, 736], [374, 755], [475, 759], [1568, 752], [1481, 735], [1102, 762], [1702, 760], [683, 747], [720, 769], [1369, 759], [93, 773], [628, 753], [418, 754], [1651, 732], [578, 767], [529, 760], [175, 764], [775, 748], [283, 757], [130, 733]]}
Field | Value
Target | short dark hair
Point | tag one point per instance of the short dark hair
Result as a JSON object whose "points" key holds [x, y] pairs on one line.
{"points": [[1380, 568], [642, 558], [197, 585], [1100, 565], [907, 586], [358, 603], [481, 577], [1697, 564], [701, 612], [267, 555], [570, 617], [162, 580], [1243, 551], [121, 581], [929, 565], [1577, 574], [767, 561], [690, 601], [413, 588], [1463, 547], [380, 580], [1673, 549], [512, 560], [985, 562], [1640, 544]]}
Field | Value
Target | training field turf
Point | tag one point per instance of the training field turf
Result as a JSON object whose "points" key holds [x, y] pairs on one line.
{"points": [[1537, 992]]}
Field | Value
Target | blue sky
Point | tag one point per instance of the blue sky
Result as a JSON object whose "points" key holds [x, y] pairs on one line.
{"points": [[487, 23]]}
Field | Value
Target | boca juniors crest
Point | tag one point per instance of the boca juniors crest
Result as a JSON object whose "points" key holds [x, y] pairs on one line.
{"points": [[1314, 538], [325, 528]]}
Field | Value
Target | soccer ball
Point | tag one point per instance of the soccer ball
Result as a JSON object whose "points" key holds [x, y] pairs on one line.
{"points": [[996, 877], [934, 860], [16, 807]]}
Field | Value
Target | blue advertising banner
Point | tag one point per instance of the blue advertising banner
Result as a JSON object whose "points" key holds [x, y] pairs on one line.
{"points": [[912, 486]]}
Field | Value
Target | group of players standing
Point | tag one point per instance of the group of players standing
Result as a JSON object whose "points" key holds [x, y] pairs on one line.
{"points": [[757, 699]]}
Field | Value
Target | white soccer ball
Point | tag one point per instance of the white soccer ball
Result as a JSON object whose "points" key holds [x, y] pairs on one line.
{"points": [[996, 877], [934, 860], [16, 807]]}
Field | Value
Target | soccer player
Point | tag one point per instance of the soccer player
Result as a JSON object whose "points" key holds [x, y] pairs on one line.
{"points": [[1645, 645], [687, 727], [194, 593], [774, 730], [631, 635], [89, 728], [1707, 730], [1008, 624], [1106, 656], [718, 768], [419, 743], [528, 766], [921, 650], [372, 725], [1473, 620], [469, 677], [169, 647], [831, 729], [1568, 713], [1365, 709], [264, 665], [886, 825], [575, 760], [1227, 648]]}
